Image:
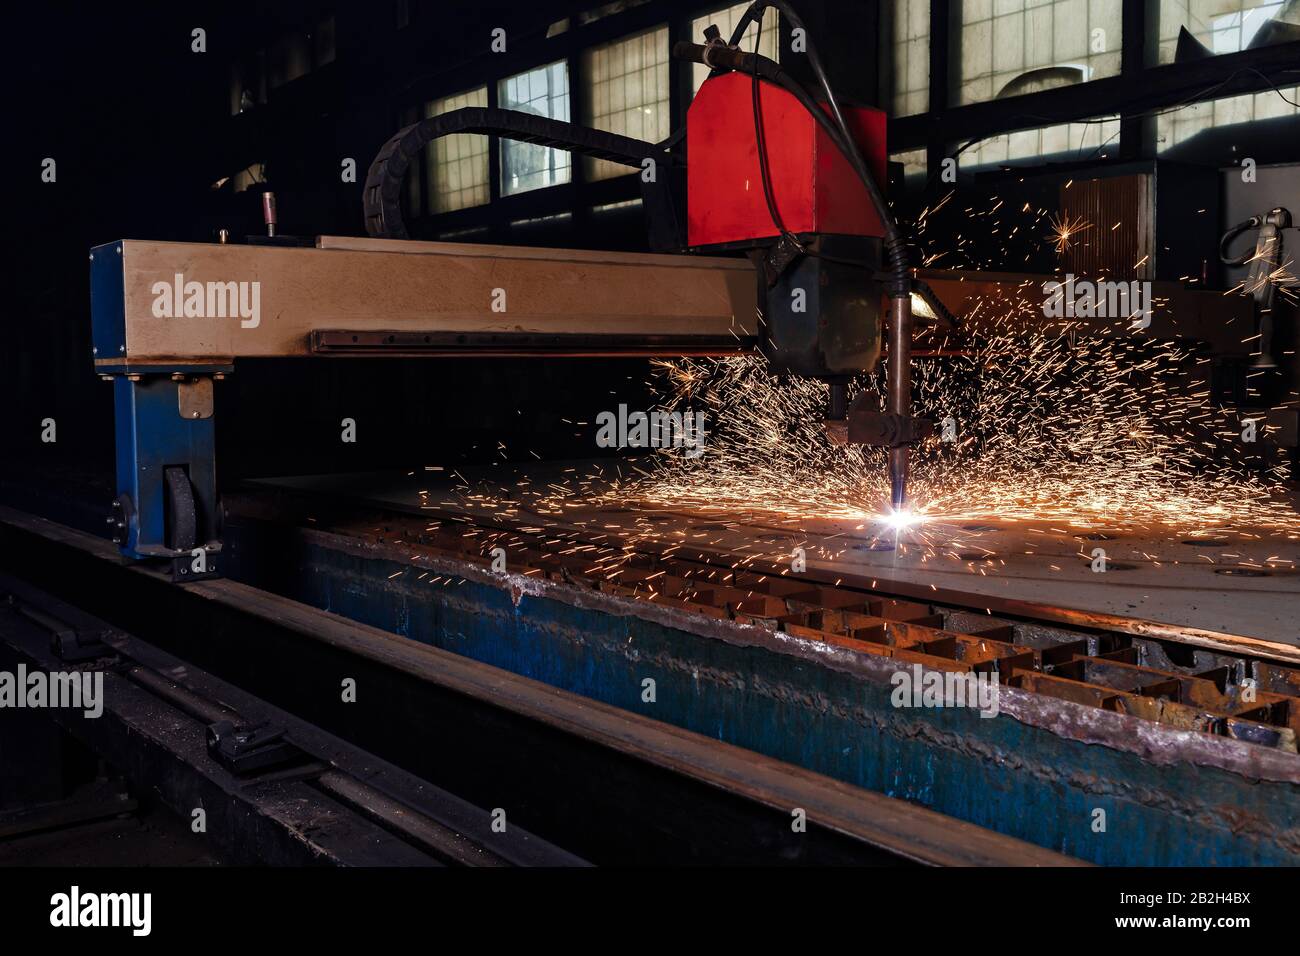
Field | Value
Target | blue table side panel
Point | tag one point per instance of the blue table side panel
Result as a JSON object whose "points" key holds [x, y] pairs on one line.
{"points": [[998, 773]]}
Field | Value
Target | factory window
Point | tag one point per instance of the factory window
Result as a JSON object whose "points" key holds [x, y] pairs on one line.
{"points": [[245, 179], [908, 22], [248, 83], [1010, 47], [613, 207], [542, 92], [1175, 127], [725, 20], [251, 176], [1223, 26], [468, 232], [608, 10], [627, 92], [457, 165], [541, 220], [290, 58], [913, 162], [1065, 141], [323, 42]]}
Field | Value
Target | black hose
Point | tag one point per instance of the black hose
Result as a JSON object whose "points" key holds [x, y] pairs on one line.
{"points": [[760, 140], [1227, 259], [896, 250]]}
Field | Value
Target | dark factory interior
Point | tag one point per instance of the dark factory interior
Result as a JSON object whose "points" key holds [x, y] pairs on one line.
{"points": [[651, 433]]}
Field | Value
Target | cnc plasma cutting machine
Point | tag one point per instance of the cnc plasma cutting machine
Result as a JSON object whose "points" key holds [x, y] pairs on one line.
{"points": [[788, 179]]}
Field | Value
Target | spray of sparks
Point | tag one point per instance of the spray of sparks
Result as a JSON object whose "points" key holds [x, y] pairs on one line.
{"points": [[1282, 279], [1057, 426], [1079, 429], [1065, 230]]}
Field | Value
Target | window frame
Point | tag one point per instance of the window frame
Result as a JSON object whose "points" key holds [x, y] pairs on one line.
{"points": [[591, 166], [426, 161], [939, 131], [945, 127], [566, 63]]}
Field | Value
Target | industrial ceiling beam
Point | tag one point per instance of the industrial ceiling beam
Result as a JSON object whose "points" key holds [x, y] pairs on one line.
{"points": [[1161, 87]]}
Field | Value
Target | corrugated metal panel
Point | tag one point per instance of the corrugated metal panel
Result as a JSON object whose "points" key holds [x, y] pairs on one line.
{"points": [[1119, 240]]}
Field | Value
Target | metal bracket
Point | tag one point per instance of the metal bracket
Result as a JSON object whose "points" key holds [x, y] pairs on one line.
{"points": [[866, 424], [249, 750], [67, 641], [778, 258], [182, 565], [194, 397]]}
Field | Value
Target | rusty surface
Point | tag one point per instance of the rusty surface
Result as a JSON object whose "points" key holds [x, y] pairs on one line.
{"points": [[993, 302], [1215, 688]]}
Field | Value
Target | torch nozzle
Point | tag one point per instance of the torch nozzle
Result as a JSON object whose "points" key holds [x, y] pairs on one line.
{"points": [[898, 464], [899, 385]]}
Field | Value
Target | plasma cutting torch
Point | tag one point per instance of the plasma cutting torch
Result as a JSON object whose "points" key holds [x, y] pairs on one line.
{"points": [[820, 225]]}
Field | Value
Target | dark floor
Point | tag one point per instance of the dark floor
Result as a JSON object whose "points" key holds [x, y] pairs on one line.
{"points": [[149, 836]]}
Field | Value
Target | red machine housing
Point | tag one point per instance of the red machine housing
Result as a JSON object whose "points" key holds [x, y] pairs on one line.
{"points": [[816, 189]]}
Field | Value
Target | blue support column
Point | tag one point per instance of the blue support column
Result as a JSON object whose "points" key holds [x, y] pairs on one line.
{"points": [[154, 434]]}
